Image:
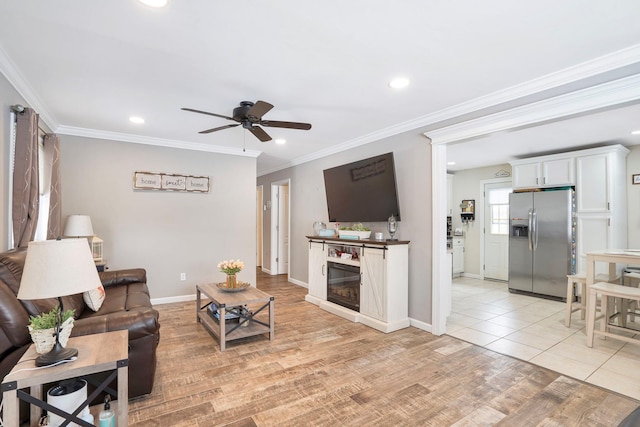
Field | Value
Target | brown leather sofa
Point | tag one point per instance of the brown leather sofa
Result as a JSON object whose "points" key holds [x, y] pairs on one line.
{"points": [[127, 306]]}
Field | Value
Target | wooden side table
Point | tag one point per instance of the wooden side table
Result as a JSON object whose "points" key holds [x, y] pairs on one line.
{"points": [[96, 353]]}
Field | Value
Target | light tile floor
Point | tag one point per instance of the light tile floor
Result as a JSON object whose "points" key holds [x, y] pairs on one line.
{"points": [[485, 313]]}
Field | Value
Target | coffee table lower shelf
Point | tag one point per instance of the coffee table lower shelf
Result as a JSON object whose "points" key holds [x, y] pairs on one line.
{"points": [[247, 325]]}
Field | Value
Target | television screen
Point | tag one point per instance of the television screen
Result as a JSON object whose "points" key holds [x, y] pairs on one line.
{"points": [[362, 191]]}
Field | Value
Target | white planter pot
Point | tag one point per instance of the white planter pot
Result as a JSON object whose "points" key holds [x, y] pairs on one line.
{"points": [[349, 234]]}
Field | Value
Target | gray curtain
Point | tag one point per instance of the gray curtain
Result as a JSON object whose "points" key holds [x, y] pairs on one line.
{"points": [[52, 153], [25, 179]]}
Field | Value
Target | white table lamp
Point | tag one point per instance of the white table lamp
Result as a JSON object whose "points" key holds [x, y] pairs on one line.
{"points": [[53, 269], [80, 226]]}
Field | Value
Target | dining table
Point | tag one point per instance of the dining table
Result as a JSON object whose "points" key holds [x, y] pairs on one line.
{"points": [[612, 257]]}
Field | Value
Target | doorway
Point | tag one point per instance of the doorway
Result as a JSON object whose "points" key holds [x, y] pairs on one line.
{"points": [[495, 236], [259, 224], [280, 207]]}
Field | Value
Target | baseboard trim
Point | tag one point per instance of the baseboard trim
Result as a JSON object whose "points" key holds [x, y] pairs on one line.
{"points": [[299, 283], [169, 300], [472, 275], [421, 325]]}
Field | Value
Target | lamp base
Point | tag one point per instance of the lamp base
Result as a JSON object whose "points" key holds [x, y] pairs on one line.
{"points": [[392, 240], [57, 354]]}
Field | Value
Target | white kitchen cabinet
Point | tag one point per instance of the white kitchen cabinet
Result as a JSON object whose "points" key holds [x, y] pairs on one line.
{"points": [[458, 256], [593, 235], [317, 271], [601, 207], [384, 286], [546, 171]]}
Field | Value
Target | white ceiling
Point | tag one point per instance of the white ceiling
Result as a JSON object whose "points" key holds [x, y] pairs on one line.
{"points": [[87, 66]]}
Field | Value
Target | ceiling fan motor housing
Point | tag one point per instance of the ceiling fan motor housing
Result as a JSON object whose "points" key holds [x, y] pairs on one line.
{"points": [[240, 113]]}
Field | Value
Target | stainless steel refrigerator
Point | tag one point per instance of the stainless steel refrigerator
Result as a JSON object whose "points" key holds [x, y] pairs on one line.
{"points": [[541, 242]]}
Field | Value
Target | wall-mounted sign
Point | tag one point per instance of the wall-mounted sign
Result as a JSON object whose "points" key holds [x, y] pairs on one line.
{"points": [[502, 173], [170, 182]]}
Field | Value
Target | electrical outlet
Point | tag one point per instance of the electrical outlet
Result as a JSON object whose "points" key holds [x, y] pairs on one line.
{"points": [[183, 276]]}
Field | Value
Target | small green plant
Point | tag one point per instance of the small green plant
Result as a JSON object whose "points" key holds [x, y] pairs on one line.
{"points": [[48, 320], [356, 227]]}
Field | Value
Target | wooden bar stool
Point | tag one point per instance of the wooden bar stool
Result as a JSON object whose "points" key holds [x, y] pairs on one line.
{"points": [[580, 280], [606, 291]]}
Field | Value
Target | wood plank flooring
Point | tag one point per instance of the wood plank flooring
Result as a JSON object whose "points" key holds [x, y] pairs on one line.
{"points": [[323, 370]]}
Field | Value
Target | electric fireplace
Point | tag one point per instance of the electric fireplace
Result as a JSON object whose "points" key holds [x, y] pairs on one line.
{"points": [[343, 285]]}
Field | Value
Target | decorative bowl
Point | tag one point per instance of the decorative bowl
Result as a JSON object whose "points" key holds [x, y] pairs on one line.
{"points": [[241, 287]]}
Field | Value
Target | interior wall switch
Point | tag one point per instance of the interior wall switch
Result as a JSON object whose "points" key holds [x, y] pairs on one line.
{"points": [[183, 276]]}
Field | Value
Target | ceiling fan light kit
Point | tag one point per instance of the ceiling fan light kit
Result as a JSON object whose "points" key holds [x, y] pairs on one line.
{"points": [[249, 115]]}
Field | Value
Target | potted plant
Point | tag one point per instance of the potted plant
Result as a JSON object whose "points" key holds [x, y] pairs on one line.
{"points": [[43, 328], [358, 230]]}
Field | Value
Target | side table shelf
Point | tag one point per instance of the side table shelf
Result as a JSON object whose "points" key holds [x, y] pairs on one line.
{"points": [[246, 325], [96, 353]]}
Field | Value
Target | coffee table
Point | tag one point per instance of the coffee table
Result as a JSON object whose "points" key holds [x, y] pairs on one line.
{"points": [[250, 322], [96, 353]]}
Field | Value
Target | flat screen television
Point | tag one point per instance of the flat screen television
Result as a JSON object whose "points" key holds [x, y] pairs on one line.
{"points": [[362, 191]]}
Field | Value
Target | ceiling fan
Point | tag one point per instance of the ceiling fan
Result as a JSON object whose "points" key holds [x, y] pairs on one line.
{"points": [[249, 115]]}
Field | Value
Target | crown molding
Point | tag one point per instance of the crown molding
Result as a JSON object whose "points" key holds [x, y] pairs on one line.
{"points": [[148, 140], [18, 81], [606, 95], [597, 66]]}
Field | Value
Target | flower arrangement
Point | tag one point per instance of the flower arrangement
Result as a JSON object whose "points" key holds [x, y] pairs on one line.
{"points": [[356, 227], [231, 266]]}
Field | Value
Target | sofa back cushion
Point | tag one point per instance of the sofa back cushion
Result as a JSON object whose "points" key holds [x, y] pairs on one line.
{"points": [[11, 266]]}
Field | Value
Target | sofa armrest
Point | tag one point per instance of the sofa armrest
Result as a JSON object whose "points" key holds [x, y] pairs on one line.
{"points": [[123, 277]]}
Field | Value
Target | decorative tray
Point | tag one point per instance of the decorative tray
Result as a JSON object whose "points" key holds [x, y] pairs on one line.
{"points": [[241, 287]]}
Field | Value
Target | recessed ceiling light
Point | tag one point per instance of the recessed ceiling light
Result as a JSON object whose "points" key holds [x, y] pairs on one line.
{"points": [[154, 3], [451, 163], [635, 132], [399, 83], [135, 119], [281, 141]]}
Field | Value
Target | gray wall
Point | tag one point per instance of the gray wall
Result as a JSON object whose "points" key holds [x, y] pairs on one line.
{"points": [[167, 233], [412, 155]]}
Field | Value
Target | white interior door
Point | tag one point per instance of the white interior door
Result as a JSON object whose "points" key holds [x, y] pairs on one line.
{"points": [[259, 224], [280, 227], [496, 230], [283, 230]]}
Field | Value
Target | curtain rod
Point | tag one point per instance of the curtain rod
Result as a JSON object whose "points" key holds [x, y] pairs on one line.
{"points": [[18, 109]]}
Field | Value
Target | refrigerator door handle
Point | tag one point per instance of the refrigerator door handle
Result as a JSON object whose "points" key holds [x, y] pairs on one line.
{"points": [[534, 221], [530, 229]]}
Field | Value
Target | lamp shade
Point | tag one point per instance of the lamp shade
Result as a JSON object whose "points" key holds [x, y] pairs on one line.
{"points": [[78, 226], [55, 268]]}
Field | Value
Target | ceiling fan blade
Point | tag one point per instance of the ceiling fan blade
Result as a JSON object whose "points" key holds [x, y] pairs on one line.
{"points": [[288, 125], [206, 112], [259, 133], [219, 128], [259, 109]]}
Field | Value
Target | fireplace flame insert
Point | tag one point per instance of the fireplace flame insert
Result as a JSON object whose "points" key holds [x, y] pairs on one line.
{"points": [[343, 285]]}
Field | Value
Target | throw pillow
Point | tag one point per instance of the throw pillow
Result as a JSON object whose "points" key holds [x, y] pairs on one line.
{"points": [[94, 298]]}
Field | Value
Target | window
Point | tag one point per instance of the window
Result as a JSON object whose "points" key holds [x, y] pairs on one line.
{"points": [[499, 210]]}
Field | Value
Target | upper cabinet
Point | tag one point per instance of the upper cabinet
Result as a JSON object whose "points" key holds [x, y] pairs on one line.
{"points": [[547, 171]]}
